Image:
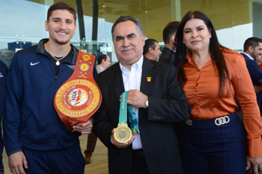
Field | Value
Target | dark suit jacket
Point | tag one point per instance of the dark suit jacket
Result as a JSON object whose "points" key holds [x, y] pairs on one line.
{"points": [[167, 104], [167, 56], [3, 74], [255, 74]]}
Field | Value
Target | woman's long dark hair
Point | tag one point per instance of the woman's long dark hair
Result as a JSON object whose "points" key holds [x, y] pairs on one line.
{"points": [[215, 49]]}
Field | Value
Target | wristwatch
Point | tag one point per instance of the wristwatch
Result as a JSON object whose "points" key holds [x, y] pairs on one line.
{"points": [[147, 104]]}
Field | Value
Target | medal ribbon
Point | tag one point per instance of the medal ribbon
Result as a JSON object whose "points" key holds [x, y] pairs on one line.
{"points": [[124, 107], [132, 119]]}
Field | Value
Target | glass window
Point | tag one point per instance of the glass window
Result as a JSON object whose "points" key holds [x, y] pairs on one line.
{"points": [[23, 21]]}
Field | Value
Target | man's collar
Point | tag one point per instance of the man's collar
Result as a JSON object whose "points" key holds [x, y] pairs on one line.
{"points": [[138, 64], [168, 49], [101, 68], [41, 49], [248, 56]]}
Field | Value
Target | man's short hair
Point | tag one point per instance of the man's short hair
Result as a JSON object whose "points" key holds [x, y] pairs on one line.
{"points": [[128, 18], [149, 43], [61, 6], [170, 30], [101, 57], [252, 41]]}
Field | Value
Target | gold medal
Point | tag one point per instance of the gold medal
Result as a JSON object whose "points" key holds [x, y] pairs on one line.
{"points": [[122, 133]]}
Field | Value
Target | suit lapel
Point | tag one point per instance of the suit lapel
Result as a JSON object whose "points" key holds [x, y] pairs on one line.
{"points": [[148, 73], [117, 80], [147, 78]]}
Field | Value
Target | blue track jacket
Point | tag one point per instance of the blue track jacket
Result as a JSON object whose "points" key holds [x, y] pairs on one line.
{"points": [[3, 74], [31, 121]]}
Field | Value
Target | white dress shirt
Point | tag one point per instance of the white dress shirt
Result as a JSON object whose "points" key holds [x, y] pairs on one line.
{"points": [[102, 69], [132, 80]]}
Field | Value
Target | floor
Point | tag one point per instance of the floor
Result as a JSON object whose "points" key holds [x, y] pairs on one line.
{"points": [[98, 163]]}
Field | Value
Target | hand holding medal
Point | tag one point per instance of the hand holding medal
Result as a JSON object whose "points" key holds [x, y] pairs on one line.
{"points": [[122, 133]]}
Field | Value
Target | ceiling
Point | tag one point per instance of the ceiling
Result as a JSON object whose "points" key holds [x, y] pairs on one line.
{"points": [[155, 14]]}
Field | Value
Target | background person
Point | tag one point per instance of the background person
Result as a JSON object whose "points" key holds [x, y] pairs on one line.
{"points": [[3, 74], [211, 75], [36, 139], [103, 63], [253, 49], [169, 36], [151, 49], [168, 56]]}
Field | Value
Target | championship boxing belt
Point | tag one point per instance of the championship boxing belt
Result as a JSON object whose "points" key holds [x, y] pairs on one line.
{"points": [[79, 97]]}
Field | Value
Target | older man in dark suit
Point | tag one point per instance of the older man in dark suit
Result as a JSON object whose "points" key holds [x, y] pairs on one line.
{"points": [[158, 99]]}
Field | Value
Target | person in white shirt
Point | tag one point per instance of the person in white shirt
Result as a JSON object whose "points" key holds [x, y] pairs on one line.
{"points": [[103, 63]]}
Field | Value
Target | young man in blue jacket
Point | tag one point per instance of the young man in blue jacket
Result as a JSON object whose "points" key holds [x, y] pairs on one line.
{"points": [[36, 139]]}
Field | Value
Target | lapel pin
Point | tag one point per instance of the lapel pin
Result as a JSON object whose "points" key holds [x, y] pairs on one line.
{"points": [[148, 79]]}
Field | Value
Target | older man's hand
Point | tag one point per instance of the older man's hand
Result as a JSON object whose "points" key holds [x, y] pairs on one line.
{"points": [[136, 98]]}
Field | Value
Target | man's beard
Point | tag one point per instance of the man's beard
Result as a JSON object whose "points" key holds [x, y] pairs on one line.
{"points": [[61, 42]]}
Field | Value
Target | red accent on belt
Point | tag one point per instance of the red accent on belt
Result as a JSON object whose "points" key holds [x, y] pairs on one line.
{"points": [[79, 97]]}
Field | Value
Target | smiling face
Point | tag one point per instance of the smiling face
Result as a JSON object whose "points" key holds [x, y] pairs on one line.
{"points": [[258, 59], [257, 51], [61, 26], [128, 43], [196, 35]]}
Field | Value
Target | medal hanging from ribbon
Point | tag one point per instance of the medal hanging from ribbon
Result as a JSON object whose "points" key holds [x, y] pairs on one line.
{"points": [[123, 133]]}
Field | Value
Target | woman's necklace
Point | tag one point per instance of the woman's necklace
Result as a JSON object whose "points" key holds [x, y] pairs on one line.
{"points": [[57, 59]]}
